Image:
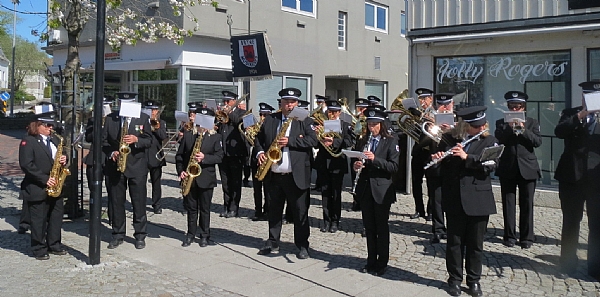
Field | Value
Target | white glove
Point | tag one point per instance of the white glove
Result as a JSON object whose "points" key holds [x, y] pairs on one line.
{"points": [[489, 163]]}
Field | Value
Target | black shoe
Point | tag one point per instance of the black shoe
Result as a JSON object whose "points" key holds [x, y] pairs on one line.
{"points": [[267, 249], [247, 184], [443, 236], [286, 221], [381, 272], [303, 254], [415, 215], [257, 216], [22, 230], [435, 238], [158, 210], [428, 218], [316, 189], [325, 227], [334, 227], [526, 245], [140, 244], [508, 243], [475, 290], [187, 241], [60, 252], [115, 243], [223, 214], [367, 269], [203, 242], [231, 214], [42, 257], [363, 233], [454, 290]]}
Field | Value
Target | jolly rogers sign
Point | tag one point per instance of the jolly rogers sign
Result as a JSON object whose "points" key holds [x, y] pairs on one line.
{"points": [[466, 70]]}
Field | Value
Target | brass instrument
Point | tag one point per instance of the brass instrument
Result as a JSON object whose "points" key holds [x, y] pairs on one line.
{"points": [[346, 109], [58, 172], [124, 148], [249, 132], [193, 169], [449, 152], [366, 148], [414, 125], [274, 153], [319, 117], [167, 143], [432, 130], [222, 115], [155, 122], [517, 129]]}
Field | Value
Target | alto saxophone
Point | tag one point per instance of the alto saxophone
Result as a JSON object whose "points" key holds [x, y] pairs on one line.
{"points": [[274, 153], [58, 172], [193, 169], [124, 148]]}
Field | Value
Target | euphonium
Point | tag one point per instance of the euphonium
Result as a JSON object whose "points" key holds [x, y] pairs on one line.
{"points": [[58, 172], [249, 132], [124, 148], [193, 169], [319, 117], [274, 153]]}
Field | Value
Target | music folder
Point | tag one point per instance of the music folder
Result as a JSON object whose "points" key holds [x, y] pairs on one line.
{"points": [[354, 154], [249, 120], [181, 116], [491, 153], [512, 116], [592, 101], [130, 109], [205, 121], [332, 126], [409, 102], [444, 118]]}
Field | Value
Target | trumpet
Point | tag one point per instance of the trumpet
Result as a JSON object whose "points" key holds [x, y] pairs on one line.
{"points": [[155, 122], [517, 128], [222, 115]]}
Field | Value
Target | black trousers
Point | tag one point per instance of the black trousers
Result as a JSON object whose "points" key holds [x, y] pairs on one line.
{"points": [[25, 218], [465, 243], [508, 188], [572, 198], [416, 167], [231, 180], [282, 188], [89, 171], [434, 191], [258, 188], [375, 219], [137, 192], [331, 195], [46, 223], [155, 176], [197, 204]]}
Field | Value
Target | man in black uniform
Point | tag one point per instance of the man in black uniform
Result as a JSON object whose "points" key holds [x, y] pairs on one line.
{"points": [[235, 152], [289, 179], [159, 134], [138, 138], [577, 174], [260, 209], [333, 168], [518, 167]]}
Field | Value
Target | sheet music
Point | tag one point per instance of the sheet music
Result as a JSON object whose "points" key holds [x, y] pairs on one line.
{"points": [[354, 154], [130, 109], [205, 121], [592, 101], [511, 116], [332, 126], [249, 120], [409, 103], [181, 116]]}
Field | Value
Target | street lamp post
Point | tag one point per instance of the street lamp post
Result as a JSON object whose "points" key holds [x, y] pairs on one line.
{"points": [[14, 46]]}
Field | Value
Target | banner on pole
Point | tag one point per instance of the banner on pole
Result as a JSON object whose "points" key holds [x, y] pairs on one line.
{"points": [[249, 57]]}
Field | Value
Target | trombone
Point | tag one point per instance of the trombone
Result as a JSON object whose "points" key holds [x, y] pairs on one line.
{"points": [[169, 150]]}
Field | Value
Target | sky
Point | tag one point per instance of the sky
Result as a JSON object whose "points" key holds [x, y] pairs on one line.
{"points": [[26, 21]]}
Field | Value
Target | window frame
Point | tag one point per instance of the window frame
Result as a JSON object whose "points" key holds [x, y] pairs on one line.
{"points": [[387, 17], [301, 12], [344, 30]]}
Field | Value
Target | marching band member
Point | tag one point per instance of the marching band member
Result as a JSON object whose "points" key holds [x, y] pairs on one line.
{"points": [[197, 202], [518, 167], [332, 169], [374, 100], [159, 134], [234, 148], [467, 197], [360, 129], [375, 190], [289, 179], [577, 174], [260, 209], [37, 153], [138, 138]]}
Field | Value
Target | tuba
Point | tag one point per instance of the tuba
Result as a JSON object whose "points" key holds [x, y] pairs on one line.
{"points": [[58, 172], [193, 169], [124, 148], [274, 153]]}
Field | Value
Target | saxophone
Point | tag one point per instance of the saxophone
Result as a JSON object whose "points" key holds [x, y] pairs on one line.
{"points": [[274, 153], [124, 148], [58, 172], [193, 169]]}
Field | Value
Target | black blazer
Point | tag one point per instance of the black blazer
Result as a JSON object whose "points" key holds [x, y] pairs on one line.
{"points": [[213, 154], [234, 143], [573, 162], [300, 143], [36, 162], [324, 160], [466, 184], [137, 162], [519, 155], [158, 137], [380, 171]]}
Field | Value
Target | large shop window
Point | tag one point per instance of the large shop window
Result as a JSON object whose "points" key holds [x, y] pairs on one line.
{"points": [[483, 80], [594, 64], [376, 89], [267, 90], [202, 84], [161, 86]]}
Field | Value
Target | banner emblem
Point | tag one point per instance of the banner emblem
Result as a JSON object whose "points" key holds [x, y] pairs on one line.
{"points": [[248, 52]]}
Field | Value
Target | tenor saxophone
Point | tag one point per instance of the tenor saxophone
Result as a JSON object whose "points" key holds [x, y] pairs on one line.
{"points": [[274, 153], [58, 172], [193, 169], [124, 148]]}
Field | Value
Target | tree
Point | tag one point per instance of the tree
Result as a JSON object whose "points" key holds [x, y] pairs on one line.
{"points": [[29, 58]]}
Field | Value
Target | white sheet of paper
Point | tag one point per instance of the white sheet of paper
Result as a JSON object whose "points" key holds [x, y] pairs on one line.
{"points": [[511, 116], [346, 117], [444, 118], [332, 126], [354, 154], [409, 102], [43, 108], [211, 103], [299, 113], [205, 121], [130, 109], [249, 120], [592, 101], [147, 111], [106, 109], [181, 116]]}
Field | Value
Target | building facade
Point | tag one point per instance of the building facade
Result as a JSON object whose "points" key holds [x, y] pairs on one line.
{"points": [[480, 49]]}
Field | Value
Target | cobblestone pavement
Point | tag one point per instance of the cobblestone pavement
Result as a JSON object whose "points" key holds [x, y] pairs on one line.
{"points": [[413, 259]]}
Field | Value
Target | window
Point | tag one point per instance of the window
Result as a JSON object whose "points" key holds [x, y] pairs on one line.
{"points": [[403, 23], [299, 6], [376, 89], [267, 89], [375, 17], [342, 18]]}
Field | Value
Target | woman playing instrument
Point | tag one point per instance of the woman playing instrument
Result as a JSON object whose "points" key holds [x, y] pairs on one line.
{"points": [[207, 152], [374, 189], [37, 153], [467, 197]]}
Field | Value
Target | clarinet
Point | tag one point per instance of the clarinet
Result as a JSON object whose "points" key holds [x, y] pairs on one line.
{"points": [[366, 148], [449, 152]]}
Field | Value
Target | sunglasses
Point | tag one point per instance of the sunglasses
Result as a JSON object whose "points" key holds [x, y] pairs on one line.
{"points": [[47, 125], [515, 106]]}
